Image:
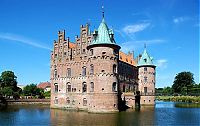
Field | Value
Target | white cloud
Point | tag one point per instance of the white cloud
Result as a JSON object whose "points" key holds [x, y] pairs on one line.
{"points": [[135, 28], [22, 39], [133, 45], [180, 19], [161, 63]]}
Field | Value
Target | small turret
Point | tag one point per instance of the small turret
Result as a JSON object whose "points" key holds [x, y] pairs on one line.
{"points": [[146, 84]]}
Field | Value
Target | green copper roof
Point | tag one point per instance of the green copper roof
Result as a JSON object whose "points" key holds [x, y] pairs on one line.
{"points": [[104, 35], [145, 59]]}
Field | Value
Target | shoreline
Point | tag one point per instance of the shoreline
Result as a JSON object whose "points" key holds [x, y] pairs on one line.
{"points": [[29, 102], [185, 99]]}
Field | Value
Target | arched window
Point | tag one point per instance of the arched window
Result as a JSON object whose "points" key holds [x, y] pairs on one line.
{"points": [[114, 87], [84, 102], [68, 72], [55, 73], [84, 71], [91, 87], [56, 100], [91, 69], [68, 87], [84, 85], [91, 52], [56, 87], [114, 69], [67, 100], [145, 68], [145, 79]]}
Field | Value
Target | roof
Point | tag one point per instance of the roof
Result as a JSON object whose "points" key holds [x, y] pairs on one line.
{"points": [[72, 45], [103, 35], [44, 85], [145, 59], [127, 58]]}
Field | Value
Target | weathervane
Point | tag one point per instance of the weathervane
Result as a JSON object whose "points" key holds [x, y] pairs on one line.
{"points": [[102, 11], [145, 46]]}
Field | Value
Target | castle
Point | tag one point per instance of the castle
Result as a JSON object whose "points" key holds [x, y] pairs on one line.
{"points": [[92, 73]]}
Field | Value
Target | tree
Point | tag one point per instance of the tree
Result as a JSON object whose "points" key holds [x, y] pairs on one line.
{"points": [[167, 91], [8, 83], [32, 90], [183, 79], [8, 79]]}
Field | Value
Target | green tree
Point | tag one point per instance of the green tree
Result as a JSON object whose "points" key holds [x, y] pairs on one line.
{"points": [[8, 79], [7, 91], [183, 79], [167, 91], [8, 83], [32, 90]]}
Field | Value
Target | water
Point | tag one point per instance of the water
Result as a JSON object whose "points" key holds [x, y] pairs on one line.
{"points": [[164, 113]]}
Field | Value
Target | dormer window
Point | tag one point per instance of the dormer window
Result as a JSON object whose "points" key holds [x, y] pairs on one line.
{"points": [[145, 60]]}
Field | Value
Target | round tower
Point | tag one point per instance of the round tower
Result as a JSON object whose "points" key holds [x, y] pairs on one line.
{"points": [[103, 58], [146, 84]]}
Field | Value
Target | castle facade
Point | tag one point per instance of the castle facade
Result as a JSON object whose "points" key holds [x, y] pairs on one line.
{"points": [[92, 73]]}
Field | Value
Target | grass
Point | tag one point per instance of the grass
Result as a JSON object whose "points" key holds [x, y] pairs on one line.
{"points": [[188, 99]]}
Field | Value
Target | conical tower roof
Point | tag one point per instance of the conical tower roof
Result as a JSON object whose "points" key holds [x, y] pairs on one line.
{"points": [[145, 60], [103, 35]]}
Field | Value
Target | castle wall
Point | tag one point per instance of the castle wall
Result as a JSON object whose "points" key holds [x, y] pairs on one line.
{"points": [[92, 78]]}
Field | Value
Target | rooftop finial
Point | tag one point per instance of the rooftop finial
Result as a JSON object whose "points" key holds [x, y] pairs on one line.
{"points": [[103, 11], [145, 46]]}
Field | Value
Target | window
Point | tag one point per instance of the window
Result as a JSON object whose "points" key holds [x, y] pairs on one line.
{"points": [[84, 85], [68, 87], [56, 55], [55, 73], [73, 89], [124, 88], [103, 53], [56, 87], [91, 69], [145, 60], [83, 50], [91, 52], [145, 69], [67, 100], [114, 69], [84, 102], [84, 71], [114, 87], [145, 79], [65, 53], [91, 87], [145, 90], [68, 72], [56, 100]]}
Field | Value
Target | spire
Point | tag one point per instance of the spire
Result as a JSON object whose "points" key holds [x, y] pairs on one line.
{"points": [[102, 11]]}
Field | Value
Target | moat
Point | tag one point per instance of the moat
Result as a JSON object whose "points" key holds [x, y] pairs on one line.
{"points": [[164, 113]]}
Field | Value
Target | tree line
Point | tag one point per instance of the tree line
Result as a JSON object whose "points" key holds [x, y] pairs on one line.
{"points": [[9, 89], [183, 85]]}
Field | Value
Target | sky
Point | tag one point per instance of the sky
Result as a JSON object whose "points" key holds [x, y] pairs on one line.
{"points": [[170, 29]]}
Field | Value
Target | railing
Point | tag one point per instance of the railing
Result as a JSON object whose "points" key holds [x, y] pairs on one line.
{"points": [[147, 93]]}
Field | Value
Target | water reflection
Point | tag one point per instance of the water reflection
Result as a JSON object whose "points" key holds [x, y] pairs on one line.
{"points": [[64, 117], [164, 113]]}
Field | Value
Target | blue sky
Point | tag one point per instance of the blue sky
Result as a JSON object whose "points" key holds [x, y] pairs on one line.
{"points": [[170, 28]]}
